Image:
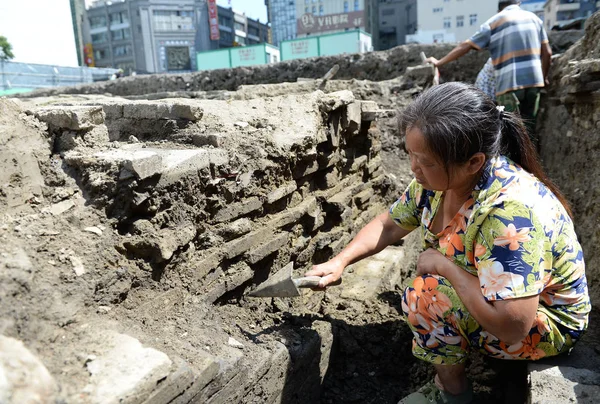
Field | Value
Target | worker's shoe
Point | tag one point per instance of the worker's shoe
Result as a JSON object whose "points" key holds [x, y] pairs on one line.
{"points": [[430, 393]]}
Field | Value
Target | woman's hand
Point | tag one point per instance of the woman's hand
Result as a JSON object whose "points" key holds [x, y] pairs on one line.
{"points": [[432, 262], [329, 271]]}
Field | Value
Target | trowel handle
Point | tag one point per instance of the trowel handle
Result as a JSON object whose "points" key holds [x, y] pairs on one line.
{"points": [[312, 282]]}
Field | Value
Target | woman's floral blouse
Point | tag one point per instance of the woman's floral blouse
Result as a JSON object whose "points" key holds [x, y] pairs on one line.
{"points": [[514, 234]]}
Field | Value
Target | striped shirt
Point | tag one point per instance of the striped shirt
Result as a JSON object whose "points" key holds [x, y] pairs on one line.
{"points": [[514, 38]]}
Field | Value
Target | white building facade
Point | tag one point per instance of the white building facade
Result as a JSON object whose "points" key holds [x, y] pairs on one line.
{"points": [[450, 20]]}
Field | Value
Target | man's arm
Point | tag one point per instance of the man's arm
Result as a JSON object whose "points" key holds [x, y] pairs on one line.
{"points": [[546, 60], [459, 51]]}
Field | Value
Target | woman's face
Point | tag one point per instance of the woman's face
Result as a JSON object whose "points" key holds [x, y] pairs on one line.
{"points": [[428, 170]]}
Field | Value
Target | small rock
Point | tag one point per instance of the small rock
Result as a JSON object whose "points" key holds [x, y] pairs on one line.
{"points": [[103, 309], [241, 124], [52, 262], [59, 208], [77, 265], [235, 343], [94, 229], [133, 139]]}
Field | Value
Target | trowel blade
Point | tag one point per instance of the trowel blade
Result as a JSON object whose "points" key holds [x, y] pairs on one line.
{"points": [[279, 284]]}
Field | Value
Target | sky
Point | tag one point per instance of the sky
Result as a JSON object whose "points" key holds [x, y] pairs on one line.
{"points": [[41, 31]]}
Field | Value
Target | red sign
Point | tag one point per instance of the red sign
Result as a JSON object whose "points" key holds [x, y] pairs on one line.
{"points": [[88, 52], [213, 20], [311, 24]]}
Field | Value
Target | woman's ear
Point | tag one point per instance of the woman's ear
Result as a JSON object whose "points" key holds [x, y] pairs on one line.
{"points": [[475, 163]]}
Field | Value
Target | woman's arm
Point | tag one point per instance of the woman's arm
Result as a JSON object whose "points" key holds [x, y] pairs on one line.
{"points": [[374, 237], [509, 320]]}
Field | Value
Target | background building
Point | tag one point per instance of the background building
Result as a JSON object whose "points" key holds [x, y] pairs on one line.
{"points": [[155, 36], [78, 16], [282, 16], [329, 16], [535, 6], [450, 20], [389, 21], [563, 12]]}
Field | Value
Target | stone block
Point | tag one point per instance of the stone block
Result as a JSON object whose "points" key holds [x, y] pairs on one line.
{"points": [[373, 165], [281, 192], [364, 196], [358, 163], [267, 248], [335, 129], [293, 215], [304, 168], [340, 201], [126, 371], [245, 243], [236, 229], [237, 209], [71, 117], [174, 163], [205, 368], [145, 110], [353, 117], [24, 379], [369, 110], [144, 165], [185, 111], [562, 384]]}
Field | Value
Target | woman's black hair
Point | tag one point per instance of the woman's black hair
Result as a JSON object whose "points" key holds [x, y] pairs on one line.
{"points": [[458, 120]]}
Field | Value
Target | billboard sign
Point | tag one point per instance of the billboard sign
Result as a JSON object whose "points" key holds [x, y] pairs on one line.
{"points": [[213, 20], [88, 52], [311, 24]]}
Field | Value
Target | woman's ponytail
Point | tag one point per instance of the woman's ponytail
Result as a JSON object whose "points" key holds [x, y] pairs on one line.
{"points": [[517, 145]]}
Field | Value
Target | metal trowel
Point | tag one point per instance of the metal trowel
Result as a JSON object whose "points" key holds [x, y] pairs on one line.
{"points": [[281, 284]]}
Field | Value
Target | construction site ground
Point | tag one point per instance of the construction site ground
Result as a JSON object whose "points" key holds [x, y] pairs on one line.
{"points": [[136, 215]]}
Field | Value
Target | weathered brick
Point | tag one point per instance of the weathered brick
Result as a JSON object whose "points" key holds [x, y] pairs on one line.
{"points": [[358, 163], [235, 210], [243, 244], [267, 248], [292, 215], [373, 165], [304, 168], [281, 192], [369, 110], [362, 197], [353, 117]]}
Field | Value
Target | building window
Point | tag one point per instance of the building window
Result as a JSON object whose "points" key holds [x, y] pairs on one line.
{"points": [[321, 11], [122, 50], [460, 21], [314, 9], [346, 8], [239, 26], [306, 10], [99, 21], [438, 9], [100, 38], [225, 21], [101, 54], [173, 20], [447, 22], [120, 34], [473, 19], [239, 40], [356, 5], [119, 18]]}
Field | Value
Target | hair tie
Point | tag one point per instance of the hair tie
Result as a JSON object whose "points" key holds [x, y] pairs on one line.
{"points": [[500, 109]]}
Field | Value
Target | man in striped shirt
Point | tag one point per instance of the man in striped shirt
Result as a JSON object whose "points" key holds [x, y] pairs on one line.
{"points": [[521, 56]]}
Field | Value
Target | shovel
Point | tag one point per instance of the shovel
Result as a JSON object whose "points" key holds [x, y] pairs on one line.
{"points": [[281, 284]]}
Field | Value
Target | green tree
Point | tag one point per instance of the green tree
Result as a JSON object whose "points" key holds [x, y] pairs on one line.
{"points": [[6, 48]]}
